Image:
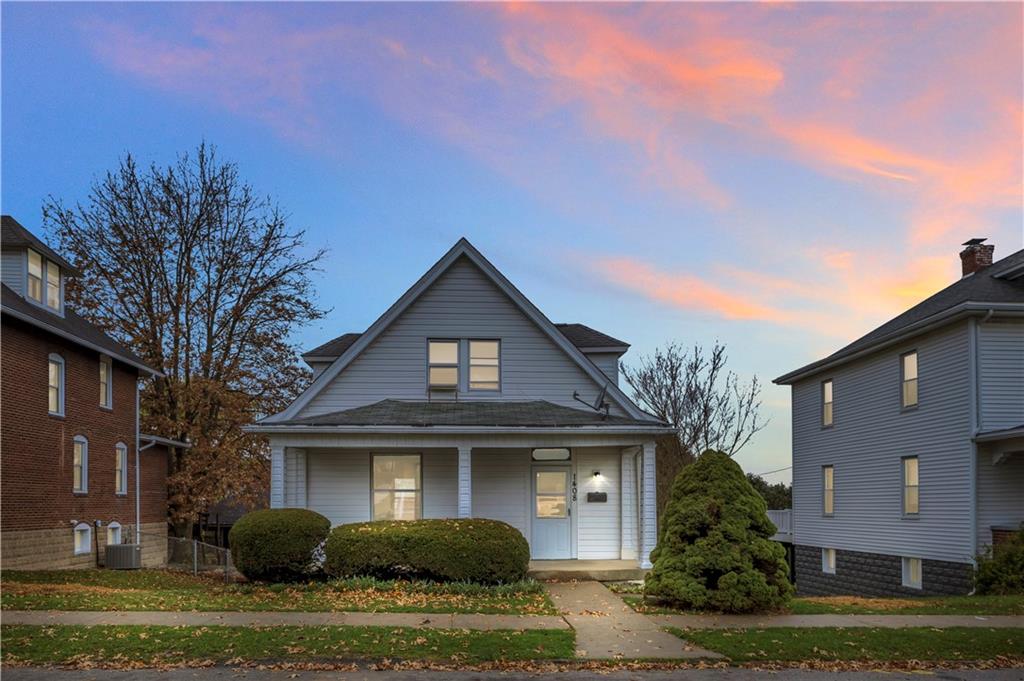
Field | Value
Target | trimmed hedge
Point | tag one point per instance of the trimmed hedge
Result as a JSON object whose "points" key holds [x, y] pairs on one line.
{"points": [[278, 544], [469, 550]]}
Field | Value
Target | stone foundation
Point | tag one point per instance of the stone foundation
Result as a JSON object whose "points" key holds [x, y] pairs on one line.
{"points": [[874, 574], [54, 549]]}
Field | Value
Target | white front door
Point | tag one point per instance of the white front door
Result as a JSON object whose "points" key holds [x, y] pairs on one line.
{"points": [[552, 512]]}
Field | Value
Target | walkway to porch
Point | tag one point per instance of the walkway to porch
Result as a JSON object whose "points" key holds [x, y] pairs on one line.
{"points": [[598, 570]]}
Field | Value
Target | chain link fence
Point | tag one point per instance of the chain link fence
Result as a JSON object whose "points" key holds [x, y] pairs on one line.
{"points": [[191, 555]]}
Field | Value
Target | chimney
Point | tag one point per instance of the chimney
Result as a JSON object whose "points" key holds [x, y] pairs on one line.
{"points": [[976, 256]]}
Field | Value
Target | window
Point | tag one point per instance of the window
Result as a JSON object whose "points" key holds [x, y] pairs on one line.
{"points": [[106, 382], [120, 468], [551, 454], [114, 533], [552, 493], [35, 276], [52, 286], [484, 365], [443, 363], [397, 490], [908, 379], [911, 497], [828, 561], [56, 382], [80, 464], [83, 539], [912, 573], [826, 403], [828, 489]]}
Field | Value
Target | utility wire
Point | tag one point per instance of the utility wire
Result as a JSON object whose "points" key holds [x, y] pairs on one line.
{"points": [[778, 470]]}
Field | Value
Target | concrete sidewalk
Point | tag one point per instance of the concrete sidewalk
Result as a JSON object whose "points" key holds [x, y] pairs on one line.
{"points": [[880, 621], [607, 628], [277, 619]]}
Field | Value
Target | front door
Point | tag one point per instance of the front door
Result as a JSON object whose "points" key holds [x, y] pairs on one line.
{"points": [[552, 512]]}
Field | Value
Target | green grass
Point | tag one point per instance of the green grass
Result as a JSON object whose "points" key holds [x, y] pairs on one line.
{"points": [[858, 644], [126, 645], [165, 590]]}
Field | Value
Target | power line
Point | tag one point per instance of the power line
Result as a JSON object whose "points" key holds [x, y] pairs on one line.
{"points": [[779, 470]]}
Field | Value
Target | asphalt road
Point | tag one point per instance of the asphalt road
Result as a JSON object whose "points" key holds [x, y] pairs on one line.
{"points": [[231, 674]]}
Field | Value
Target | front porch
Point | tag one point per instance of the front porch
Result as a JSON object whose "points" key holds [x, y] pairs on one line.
{"points": [[581, 570]]}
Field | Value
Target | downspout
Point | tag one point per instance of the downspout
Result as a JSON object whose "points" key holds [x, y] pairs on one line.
{"points": [[138, 502], [972, 369]]}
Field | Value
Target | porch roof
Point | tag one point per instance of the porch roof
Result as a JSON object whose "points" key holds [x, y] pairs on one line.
{"points": [[531, 414]]}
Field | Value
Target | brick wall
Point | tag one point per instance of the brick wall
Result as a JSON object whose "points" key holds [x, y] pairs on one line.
{"points": [[873, 574], [37, 448]]}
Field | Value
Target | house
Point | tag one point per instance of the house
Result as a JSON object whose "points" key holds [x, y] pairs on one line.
{"points": [[464, 400], [908, 444], [76, 473]]}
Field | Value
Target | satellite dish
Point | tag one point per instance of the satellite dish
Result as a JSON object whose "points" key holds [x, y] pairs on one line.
{"points": [[599, 404]]}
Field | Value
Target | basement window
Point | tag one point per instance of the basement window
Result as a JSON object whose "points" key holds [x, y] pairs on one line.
{"points": [[912, 573], [828, 561], [83, 539]]}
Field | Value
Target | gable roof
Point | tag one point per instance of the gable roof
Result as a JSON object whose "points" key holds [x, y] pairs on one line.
{"points": [[462, 248], [13, 235], [998, 286], [583, 337], [71, 326]]}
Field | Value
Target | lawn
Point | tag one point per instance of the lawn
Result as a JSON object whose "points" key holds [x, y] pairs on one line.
{"points": [[859, 644], [154, 646], [165, 590]]}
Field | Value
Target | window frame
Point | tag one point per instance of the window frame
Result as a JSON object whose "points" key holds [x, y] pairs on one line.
{"points": [[83, 465], [827, 500], [830, 403], [108, 384], [374, 489], [121, 466], [826, 553], [58, 286], [114, 525], [905, 486], [904, 380], [87, 548], [469, 362], [445, 365], [906, 576], [41, 300], [54, 358]]}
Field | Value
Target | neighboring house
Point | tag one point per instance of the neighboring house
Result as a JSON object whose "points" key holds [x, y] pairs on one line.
{"points": [[464, 400], [73, 475], [908, 444]]}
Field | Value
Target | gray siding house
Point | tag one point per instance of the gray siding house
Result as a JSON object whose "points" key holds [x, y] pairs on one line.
{"points": [[908, 444], [464, 400]]}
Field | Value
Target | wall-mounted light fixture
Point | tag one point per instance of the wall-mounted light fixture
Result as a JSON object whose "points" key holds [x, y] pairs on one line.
{"points": [[597, 474]]}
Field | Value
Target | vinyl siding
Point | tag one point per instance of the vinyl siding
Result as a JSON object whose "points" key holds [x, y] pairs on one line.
{"points": [[607, 362], [501, 486], [462, 304], [12, 270], [598, 524], [866, 444], [1000, 494], [1001, 375]]}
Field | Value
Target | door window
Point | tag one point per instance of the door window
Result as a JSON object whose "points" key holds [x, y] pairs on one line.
{"points": [[552, 496]]}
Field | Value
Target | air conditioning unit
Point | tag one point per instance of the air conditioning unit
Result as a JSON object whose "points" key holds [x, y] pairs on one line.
{"points": [[123, 557]]}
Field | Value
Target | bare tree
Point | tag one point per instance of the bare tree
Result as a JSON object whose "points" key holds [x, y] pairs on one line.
{"points": [[205, 281], [693, 391]]}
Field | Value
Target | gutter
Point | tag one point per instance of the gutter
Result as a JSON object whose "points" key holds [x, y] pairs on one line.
{"points": [[460, 430]]}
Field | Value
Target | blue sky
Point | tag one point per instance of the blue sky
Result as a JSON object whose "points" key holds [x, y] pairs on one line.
{"points": [[782, 178]]}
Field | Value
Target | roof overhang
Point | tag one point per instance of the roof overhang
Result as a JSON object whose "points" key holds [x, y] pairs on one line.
{"points": [[269, 428], [28, 319], [165, 441], [1000, 435], [619, 349], [940, 319]]}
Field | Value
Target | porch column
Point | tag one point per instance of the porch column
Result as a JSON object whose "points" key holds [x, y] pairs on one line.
{"points": [[628, 507], [648, 506], [465, 482], [276, 476]]}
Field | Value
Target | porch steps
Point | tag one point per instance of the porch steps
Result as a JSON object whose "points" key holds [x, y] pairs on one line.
{"points": [[584, 570]]}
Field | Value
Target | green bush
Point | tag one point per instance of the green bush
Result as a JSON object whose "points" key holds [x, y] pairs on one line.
{"points": [[279, 544], [715, 550], [470, 550], [1001, 571]]}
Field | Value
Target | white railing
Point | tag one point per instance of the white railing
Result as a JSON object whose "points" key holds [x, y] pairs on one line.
{"points": [[783, 520]]}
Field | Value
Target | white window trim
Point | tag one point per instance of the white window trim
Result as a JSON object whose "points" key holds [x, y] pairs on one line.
{"points": [[121, 452], [906, 578], [43, 301], [28, 277], [53, 357], [84, 489], [109, 363], [111, 527], [825, 561], [87, 548]]}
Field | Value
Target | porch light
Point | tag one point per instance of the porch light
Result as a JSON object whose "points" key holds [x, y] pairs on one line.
{"points": [[597, 474]]}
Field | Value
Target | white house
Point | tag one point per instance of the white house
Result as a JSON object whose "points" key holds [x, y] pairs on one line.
{"points": [[464, 400]]}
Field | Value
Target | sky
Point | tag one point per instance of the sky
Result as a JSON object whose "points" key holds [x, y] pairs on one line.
{"points": [[779, 177]]}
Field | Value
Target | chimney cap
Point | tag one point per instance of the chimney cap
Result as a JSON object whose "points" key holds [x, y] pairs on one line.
{"points": [[976, 241]]}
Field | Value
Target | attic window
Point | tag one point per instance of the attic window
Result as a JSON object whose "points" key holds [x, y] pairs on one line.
{"points": [[443, 364], [484, 365], [35, 276]]}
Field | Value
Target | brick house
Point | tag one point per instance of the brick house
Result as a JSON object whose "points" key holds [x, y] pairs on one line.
{"points": [[75, 472]]}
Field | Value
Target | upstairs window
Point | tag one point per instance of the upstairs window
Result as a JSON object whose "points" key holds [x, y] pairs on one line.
{"points": [[484, 365], [826, 403], [56, 385], [80, 464], [106, 382], [52, 286], [908, 379], [911, 497], [35, 276], [828, 489], [443, 364], [121, 468]]}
